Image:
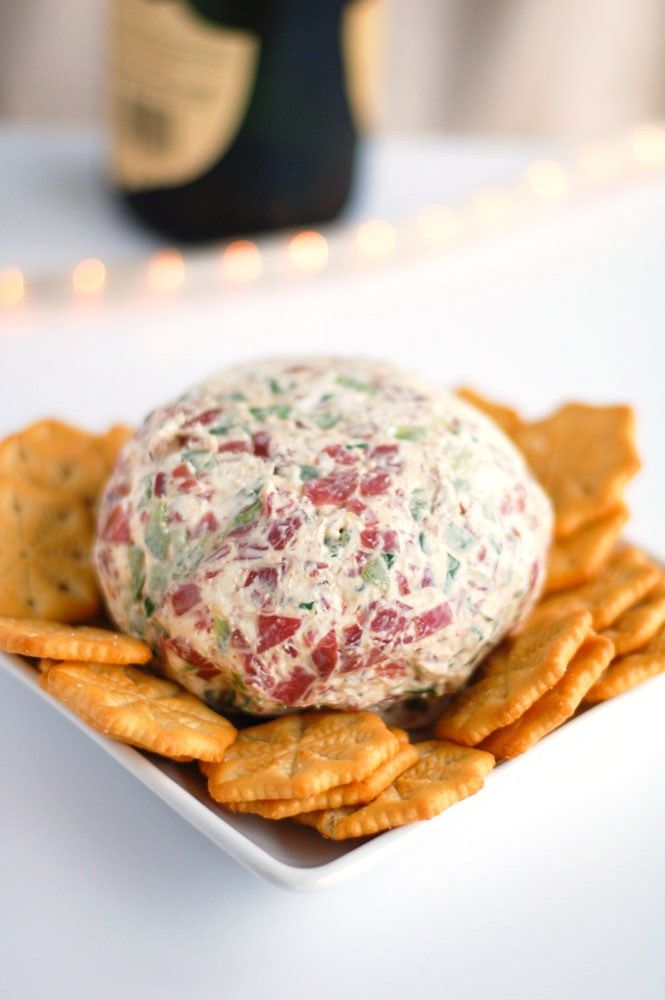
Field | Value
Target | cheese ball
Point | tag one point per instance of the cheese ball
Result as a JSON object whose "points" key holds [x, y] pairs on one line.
{"points": [[324, 532]]}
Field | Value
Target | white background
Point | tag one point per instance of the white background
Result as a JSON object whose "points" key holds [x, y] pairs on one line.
{"points": [[104, 892]]}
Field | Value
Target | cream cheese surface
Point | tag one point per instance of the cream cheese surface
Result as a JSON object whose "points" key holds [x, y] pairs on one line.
{"points": [[320, 532]]}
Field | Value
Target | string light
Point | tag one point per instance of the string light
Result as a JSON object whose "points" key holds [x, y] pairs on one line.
{"points": [[309, 251], [376, 238], [89, 277], [12, 287], [547, 182], [649, 145], [437, 224], [601, 162], [241, 262], [166, 272], [492, 207], [548, 179]]}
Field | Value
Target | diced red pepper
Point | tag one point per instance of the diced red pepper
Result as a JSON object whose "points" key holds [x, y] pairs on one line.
{"points": [[375, 482], [334, 489], [393, 668], [238, 640], [325, 653], [266, 575], [433, 620], [384, 451], [116, 526], [293, 687], [428, 577], [280, 533], [205, 418], [207, 523], [389, 621], [235, 447], [189, 655], [352, 634], [340, 454], [184, 598], [402, 583], [182, 471], [261, 444], [275, 629], [159, 488]]}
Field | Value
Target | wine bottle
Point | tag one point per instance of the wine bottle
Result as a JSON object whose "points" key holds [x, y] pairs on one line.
{"points": [[231, 116]]}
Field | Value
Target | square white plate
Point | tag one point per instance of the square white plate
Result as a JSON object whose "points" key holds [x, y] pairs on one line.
{"points": [[297, 858]]}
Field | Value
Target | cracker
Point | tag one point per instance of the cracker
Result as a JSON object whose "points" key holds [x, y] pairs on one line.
{"points": [[580, 556], [55, 456], [556, 705], [45, 564], [583, 456], [343, 795], [627, 672], [626, 579], [514, 679], [507, 419], [144, 711], [296, 756], [111, 442], [636, 626], [444, 774], [51, 640]]}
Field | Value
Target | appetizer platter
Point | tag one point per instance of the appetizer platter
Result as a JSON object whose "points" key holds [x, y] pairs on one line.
{"points": [[321, 596]]}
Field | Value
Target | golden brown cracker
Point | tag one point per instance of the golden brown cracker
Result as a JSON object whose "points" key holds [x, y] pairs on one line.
{"points": [[626, 579], [555, 706], [579, 557], [583, 457], [640, 623], [144, 711], [444, 774], [535, 661], [55, 456], [45, 564], [627, 672], [296, 756], [507, 419], [111, 442], [343, 795], [51, 640]]}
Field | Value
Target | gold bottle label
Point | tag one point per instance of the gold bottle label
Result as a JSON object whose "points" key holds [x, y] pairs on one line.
{"points": [[180, 87]]}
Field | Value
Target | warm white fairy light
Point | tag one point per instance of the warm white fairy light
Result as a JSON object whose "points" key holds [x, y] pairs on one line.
{"points": [[89, 277], [492, 207], [601, 162], [309, 251], [649, 146], [437, 224], [546, 183], [548, 180], [12, 287], [241, 262], [376, 238], [166, 272]]}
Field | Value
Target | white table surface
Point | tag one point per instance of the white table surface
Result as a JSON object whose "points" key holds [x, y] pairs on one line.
{"points": [[104, 892]]}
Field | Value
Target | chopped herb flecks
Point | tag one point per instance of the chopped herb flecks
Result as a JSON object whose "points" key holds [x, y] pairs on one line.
{"points": [[222, 631], [353, 383], [326, 420], [309, 472], [137, 570], [418, 503], [410, 433], [306, 605], [337, 542]]}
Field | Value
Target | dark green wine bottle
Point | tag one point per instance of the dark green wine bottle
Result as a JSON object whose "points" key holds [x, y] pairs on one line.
{"points": [[231, 116]]}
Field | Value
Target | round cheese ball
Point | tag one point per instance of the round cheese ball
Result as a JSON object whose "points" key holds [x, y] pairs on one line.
{"points": [[320, 532]]}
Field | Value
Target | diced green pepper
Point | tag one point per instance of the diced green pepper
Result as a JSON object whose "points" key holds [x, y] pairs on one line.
{"points": [[222, 631], [309, 472], [410, 433], [337, 542], [137, 570], [375, 572], [157, 532], [418, 503]]}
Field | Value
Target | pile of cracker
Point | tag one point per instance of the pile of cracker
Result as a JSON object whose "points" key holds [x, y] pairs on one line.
{"points": [[598, 630]]}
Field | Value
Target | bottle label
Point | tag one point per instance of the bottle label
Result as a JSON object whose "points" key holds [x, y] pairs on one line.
{"points": [[180, 86], [363, 47]]}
